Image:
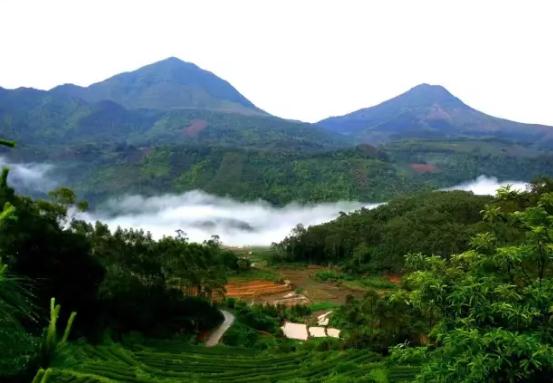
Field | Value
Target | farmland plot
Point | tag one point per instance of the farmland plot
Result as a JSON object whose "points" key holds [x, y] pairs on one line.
{"points": [[172, 361]]}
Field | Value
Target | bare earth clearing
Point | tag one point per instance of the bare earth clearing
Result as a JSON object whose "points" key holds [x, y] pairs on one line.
{"points": [[298, 286]]}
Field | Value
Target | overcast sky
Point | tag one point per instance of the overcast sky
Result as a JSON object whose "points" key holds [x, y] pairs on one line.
{"points": [[297, 59]]}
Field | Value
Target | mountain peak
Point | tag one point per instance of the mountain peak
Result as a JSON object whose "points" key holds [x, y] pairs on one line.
{"points": [[423, 111], [171, 59], [167, 84], [169, 62], [426, 86], [425, 95]]}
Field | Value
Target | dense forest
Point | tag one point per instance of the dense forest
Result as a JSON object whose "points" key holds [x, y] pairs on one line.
{"points": [[284, 173], [439, 223]]}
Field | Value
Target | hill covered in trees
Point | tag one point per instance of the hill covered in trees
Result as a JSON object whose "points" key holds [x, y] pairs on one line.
{"points": [[40, 118], [362, 173], [438, 223]]}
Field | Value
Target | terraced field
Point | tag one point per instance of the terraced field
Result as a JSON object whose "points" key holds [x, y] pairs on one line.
{"points": [[252, 289], [173, 361]]}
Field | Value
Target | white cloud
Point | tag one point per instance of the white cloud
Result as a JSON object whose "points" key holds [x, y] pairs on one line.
{"points": [[484, 185], [29, 177], [201, 215]]}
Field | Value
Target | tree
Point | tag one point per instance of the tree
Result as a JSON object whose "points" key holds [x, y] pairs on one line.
{"points": [[491, 305], [38, 246]]}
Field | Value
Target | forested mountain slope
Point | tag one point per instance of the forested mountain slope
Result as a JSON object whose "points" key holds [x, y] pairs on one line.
{"points": [[430, 111], [170, 101]]}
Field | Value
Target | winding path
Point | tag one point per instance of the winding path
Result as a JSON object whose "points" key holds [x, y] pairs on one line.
{"points": [[217, 334]]}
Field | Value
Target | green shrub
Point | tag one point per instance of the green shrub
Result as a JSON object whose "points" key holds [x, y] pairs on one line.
{"points": [[377, 282]]}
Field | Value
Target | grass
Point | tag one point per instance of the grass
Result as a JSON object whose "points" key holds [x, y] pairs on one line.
{"points": [[363, 283], [260, 258], [256, 273], [331, 275], [377, 282], [170, 361], [323, 306]]}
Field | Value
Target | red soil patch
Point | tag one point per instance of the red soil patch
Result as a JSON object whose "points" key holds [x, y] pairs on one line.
{"points": [[255, 289], [315, 290], [424, 168], [195, 127]]}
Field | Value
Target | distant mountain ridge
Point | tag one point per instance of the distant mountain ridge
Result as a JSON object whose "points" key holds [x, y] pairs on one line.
{"points": [[165, 85], [431, 111], [141, 101], [164, 103]]}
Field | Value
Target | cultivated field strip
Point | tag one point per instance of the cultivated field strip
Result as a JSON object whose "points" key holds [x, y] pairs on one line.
{"points": [[159, 361]]}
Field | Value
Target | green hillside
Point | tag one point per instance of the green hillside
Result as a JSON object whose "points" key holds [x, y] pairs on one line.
{"points": [[39, 118], [466, 278], [97, 172], [171, 361], [282, 174]]}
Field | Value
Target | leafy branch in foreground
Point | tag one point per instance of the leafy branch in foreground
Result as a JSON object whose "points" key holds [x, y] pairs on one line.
{"points": [[7, 143], [51, 342]]}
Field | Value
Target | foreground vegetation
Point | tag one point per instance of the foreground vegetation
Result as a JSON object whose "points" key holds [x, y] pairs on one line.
{"points": [[170, 361], [481, 315]]}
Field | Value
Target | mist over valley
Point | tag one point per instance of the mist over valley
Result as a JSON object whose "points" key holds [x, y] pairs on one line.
{"points": [[256, 223], [201, 215]]}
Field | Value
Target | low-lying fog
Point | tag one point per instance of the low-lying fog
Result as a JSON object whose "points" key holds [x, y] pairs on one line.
{"points": [[29, 177], [487, 185], [201, 215]]}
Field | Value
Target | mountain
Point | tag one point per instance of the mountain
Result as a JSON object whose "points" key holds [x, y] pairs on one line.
{"points": [[168, 102], [430, 111], [165, 85], [170, 127]]}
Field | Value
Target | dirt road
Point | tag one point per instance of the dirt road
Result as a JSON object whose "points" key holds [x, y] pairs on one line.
{"points": [[217, 334]]}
